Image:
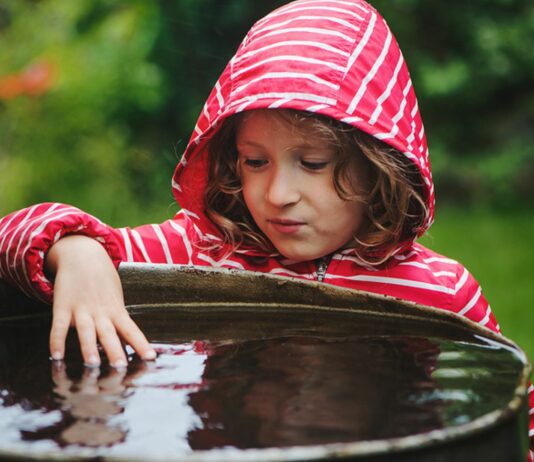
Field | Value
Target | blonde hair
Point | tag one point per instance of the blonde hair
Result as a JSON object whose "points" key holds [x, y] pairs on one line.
{"points": [[394, 194]]}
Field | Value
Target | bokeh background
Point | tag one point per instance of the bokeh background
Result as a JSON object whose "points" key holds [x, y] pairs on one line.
{"points": [[98, 99]]}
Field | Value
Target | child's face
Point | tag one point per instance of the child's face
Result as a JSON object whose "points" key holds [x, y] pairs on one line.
{"points": [[287, 178]]}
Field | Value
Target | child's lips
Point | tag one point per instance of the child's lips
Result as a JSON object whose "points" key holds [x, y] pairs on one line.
{"points": [[286, 226]]}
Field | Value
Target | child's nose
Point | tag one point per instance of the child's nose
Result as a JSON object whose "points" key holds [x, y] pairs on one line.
{"points": [[282, 189]]}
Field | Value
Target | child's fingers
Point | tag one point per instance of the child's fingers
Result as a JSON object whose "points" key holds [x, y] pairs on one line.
{"points": [[109, 339], [58, 333], [135, 338], [85, 327]]}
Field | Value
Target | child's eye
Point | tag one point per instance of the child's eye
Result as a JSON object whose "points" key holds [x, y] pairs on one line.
{"points": [[313, 165], [255, 163]]}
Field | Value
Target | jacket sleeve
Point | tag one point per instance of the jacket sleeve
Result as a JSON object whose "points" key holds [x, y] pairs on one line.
{"points": [[27, 235], [470, 302], [171, 242]]}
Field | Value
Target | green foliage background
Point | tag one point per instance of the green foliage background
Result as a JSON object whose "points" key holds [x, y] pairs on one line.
{"points": [[132, 76]]}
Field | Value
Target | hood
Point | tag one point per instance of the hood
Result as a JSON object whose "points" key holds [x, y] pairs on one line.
{"points": [[332, 57]]}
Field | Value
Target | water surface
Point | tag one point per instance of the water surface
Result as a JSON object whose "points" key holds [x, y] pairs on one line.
{"points": [[289, 384]]}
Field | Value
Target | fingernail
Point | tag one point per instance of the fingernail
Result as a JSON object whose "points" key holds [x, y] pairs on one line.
{"points": [[119, 364], [57, 356], [150, 355], [92, 361]]}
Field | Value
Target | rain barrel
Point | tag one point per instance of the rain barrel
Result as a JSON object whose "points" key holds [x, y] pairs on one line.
{"points": [[254, 367]]}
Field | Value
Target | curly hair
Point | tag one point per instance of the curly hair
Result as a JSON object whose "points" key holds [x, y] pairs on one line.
{"points": [[394, 196]]}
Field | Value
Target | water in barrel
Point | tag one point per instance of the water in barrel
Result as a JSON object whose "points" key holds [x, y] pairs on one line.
{"points": [[234, 383]]}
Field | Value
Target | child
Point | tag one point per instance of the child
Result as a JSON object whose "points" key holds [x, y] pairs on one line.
{"points": [[309, 160]]}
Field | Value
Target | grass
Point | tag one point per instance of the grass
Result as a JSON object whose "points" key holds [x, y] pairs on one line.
{"points": [[496, 247]]}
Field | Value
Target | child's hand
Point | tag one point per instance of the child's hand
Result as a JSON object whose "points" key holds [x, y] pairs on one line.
{"points": [[88, 295]]}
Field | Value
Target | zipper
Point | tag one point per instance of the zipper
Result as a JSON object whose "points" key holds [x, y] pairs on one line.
{"points": [[322, 266]]}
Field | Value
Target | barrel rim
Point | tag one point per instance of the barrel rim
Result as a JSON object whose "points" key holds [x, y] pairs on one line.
{"points": [[136, 277]]}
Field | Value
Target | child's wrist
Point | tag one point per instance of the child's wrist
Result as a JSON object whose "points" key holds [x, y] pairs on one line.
{"points": [[70, 248]]}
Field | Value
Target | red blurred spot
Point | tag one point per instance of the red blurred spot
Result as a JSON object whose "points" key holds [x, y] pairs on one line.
{"points": [[35, 80]]}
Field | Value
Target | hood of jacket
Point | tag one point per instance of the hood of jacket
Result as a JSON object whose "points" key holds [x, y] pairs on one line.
{"points": [[332, 57]]}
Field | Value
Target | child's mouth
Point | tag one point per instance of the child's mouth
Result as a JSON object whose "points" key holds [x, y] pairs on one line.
{"points": [[286, 226]]}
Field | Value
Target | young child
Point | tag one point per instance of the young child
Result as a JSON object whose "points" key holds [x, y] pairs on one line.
{"points": [[309, 160]]}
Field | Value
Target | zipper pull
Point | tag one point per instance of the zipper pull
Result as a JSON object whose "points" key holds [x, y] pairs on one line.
{"points": [[321, 268]]}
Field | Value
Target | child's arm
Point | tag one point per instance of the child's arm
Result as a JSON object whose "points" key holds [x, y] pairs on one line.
{"points": [[86, 291], [27, 235], [88, 295], [26, 239]]}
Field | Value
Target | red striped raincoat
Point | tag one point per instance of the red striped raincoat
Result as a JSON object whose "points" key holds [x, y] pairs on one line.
{"points": [[332, 57]]}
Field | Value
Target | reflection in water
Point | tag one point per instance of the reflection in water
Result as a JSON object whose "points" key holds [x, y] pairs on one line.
{"points": [[90, 402], [283, 391], [302, 390], [139, 410]]}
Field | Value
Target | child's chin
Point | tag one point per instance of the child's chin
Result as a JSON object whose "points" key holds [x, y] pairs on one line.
{"points": [[296, 256]]}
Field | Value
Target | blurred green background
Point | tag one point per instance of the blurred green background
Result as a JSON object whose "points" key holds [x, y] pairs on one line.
{"points": [[98, 99]]}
